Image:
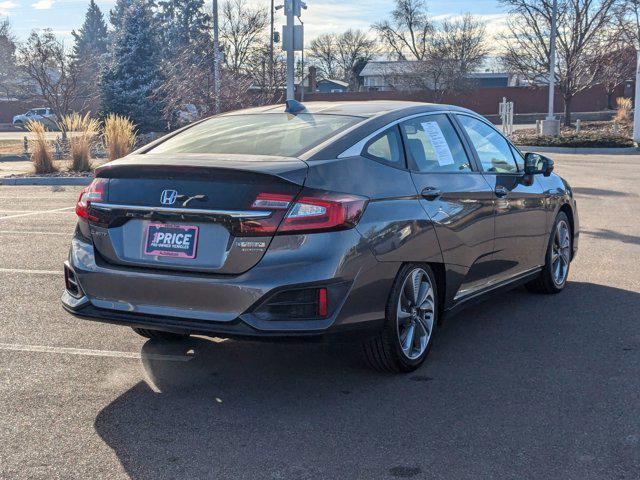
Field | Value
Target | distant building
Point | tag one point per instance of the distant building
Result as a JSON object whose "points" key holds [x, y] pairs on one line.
{"points": [[312, 83], [405, 74], [385, 76]]}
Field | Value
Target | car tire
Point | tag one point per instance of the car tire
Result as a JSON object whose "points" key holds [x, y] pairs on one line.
{"points": [[160, 335], [409, 309], [553, 277]]}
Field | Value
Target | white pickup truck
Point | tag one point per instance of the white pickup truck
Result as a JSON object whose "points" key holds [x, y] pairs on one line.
{"points": [[44, 115]]}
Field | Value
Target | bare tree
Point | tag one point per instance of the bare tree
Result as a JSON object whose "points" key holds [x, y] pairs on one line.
{"points": [[189, 79], [323, 52], [582, 25], [241, 32], [408, 32], [355, 49], [8, 68], [46, 64], [457, 49], [615, 66], [264, 90], [628, 19]]}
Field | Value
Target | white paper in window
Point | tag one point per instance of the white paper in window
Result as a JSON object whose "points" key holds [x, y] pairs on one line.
{"points": [[439, 143]]}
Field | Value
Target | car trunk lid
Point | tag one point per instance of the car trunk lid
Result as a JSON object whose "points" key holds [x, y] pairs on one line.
{"points": [[206, 213]]}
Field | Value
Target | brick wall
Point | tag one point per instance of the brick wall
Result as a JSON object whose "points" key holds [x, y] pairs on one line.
{"points": [[485, 100]]}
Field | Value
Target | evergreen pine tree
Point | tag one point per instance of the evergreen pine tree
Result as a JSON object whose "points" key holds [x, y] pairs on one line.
{"points": [[91, 40], [89, 48], [116, 14], [183, 23], [132, 75]]}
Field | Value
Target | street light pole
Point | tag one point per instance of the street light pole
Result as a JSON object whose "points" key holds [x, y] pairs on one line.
{"points": [[216, 59], [301, 67], [290, 51], [552, 60], [636, 110], [271, 51], [551, 126]]}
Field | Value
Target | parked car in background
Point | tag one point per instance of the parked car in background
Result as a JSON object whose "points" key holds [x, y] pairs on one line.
{"points": [[363, 219], [44, 115], [188, 114]]}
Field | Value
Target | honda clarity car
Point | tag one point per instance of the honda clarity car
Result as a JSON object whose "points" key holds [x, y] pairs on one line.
{"points": [[369, 221]]}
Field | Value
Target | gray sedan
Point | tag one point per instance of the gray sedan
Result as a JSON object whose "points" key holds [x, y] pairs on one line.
{"points": [[363, 220]]}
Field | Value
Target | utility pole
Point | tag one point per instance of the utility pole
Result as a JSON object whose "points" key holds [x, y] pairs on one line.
{"points": [[636, 109], [216, 59], [288, 9], [301, 66], [551, 126], [271, 73]]}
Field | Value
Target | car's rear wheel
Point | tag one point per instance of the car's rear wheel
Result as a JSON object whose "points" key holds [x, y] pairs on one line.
{"points": [[411, 318], [159, 335], [553, 277]]}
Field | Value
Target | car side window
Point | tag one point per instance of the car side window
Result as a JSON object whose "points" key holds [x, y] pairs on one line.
{"points": [[492, 148], [433, 145], [386, 147]]}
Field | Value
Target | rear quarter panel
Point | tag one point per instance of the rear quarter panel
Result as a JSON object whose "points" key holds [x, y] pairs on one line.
{"points": [[394, 224]]}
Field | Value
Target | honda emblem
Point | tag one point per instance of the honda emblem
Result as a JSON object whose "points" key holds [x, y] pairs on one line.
{"points": [[168, 197]]}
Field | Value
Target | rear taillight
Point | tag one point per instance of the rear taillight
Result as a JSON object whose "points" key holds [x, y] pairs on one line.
{"points": [[311, 211], [95, 192], [314, 211]]}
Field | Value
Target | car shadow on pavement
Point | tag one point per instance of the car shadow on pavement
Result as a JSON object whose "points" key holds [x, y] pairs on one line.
{"points": [[601, 192], [523, 385], [608, 234]]}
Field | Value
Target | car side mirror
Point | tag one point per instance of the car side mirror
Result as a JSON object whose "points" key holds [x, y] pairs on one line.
{"points": [[534, 164]]}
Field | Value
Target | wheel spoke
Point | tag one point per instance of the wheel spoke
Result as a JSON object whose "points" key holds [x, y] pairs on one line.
{"points": [[424, 326], [423, 294], [407, 344]]}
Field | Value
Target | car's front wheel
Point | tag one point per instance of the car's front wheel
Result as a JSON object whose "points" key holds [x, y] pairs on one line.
{"points": [[159, 335], [411, 318], [554, 274]]}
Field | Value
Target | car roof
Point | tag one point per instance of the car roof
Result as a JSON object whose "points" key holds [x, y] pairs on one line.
{"points": [[368, 108]]}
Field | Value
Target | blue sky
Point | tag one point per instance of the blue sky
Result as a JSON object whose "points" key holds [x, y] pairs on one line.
{"points": [[322, 15]]}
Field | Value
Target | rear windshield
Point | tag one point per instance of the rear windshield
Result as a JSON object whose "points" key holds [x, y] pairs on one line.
{"points": [[260, 134]]}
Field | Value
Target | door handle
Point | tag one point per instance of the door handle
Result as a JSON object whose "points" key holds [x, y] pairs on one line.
{"points": [[430, 193], [501, 192]]}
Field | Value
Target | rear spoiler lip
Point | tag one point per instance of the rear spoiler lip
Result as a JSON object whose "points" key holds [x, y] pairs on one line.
{"points": [[291, 169]]}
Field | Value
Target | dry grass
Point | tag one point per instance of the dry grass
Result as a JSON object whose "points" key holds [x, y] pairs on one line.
{"points": [[41, 155], [623, 111], [119, 136], [85, 131]]}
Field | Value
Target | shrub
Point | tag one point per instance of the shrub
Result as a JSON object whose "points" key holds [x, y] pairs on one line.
{"points": [[623, 112], [83, 131], [119, 136], [581, 140], [41, 155]]}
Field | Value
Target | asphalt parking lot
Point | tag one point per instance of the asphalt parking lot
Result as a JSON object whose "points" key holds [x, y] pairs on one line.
{"points": [[522, 386]]}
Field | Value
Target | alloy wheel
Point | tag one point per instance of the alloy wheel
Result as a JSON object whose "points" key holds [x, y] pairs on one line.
{"points": [[561, 253], [416, 313]]}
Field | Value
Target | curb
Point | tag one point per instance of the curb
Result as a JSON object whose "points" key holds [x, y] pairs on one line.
{"points": [[582, 151], [47, 181]]}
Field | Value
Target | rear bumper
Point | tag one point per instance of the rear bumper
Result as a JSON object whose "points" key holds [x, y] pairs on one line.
{"points": [[221, 304], [235, 329]]}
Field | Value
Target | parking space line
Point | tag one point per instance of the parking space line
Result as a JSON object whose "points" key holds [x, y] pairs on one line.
{"points": [[37, 213], [31, 232], [94, 353], [36, 272]]}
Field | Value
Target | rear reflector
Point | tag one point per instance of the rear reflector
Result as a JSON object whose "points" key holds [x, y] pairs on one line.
{"points": [[95, 192], [322, 302]]}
